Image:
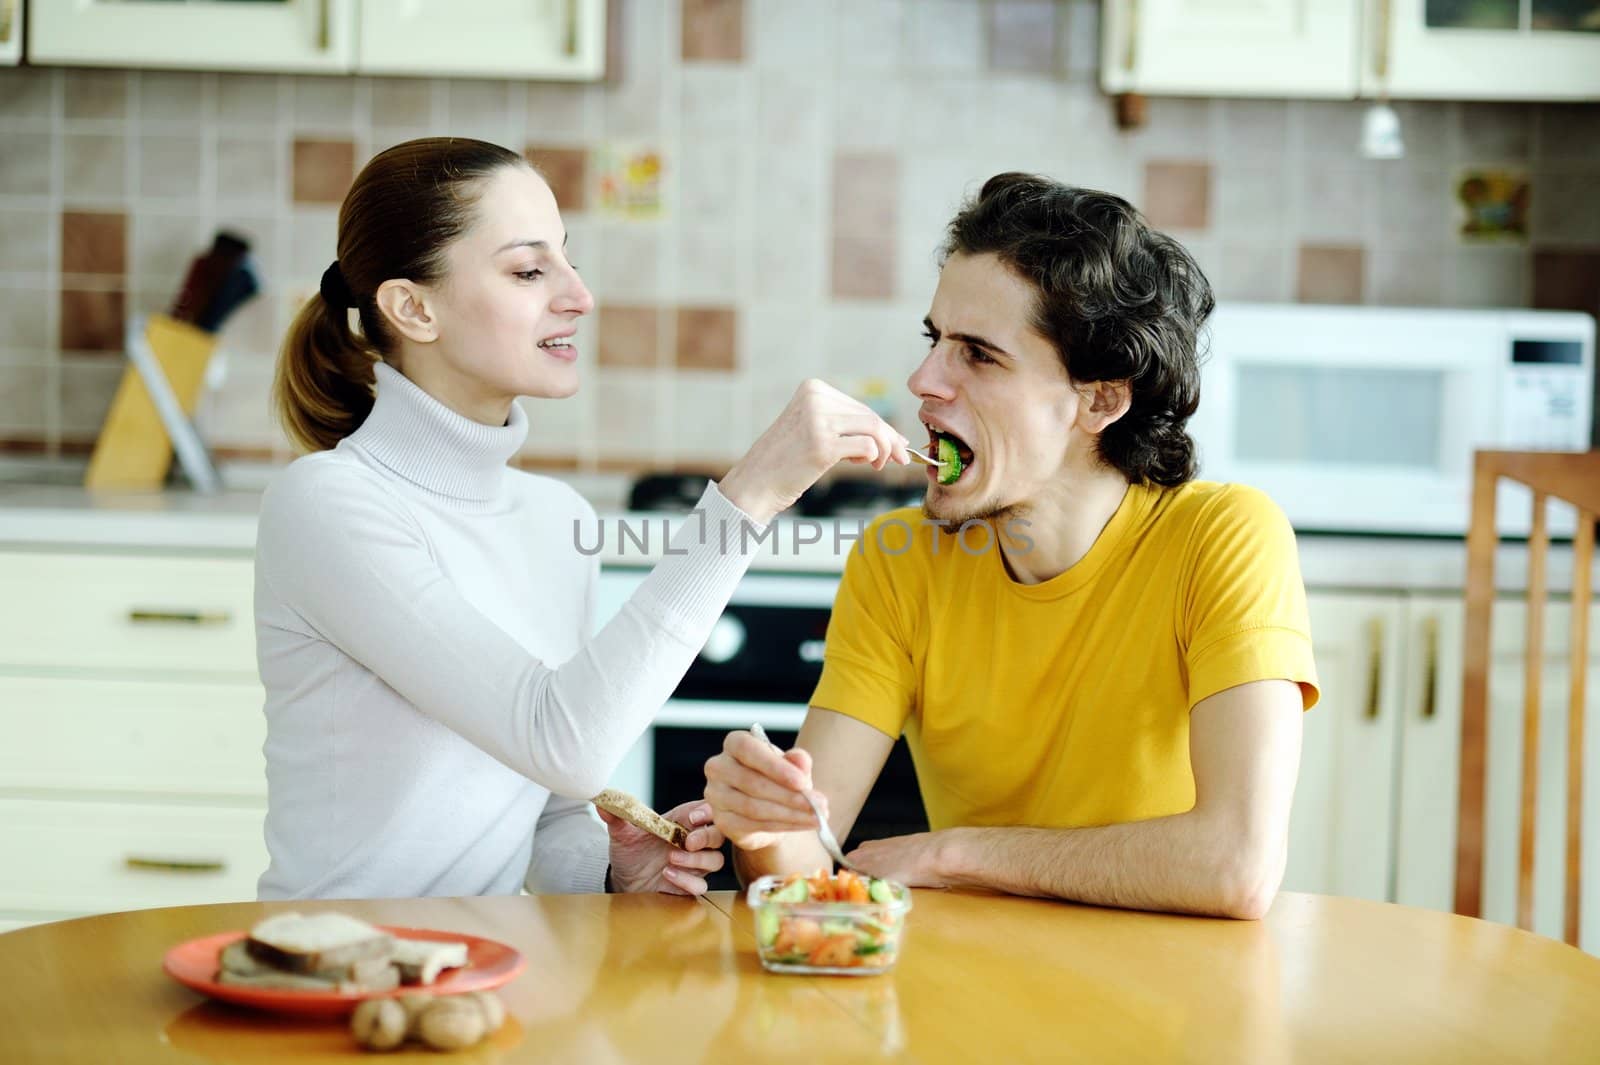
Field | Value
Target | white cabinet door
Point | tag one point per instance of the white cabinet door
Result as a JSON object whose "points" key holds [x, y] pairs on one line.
{"points": [[1341, 830], [313, 36], [1225, 47], [1430, 753], [540, 39], [1484, 49], [12, 14]]}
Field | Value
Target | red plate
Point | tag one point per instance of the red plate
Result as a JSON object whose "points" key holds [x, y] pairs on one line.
{"points": [[194, 964]]}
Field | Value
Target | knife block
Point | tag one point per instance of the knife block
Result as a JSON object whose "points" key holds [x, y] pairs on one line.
{"points": [[135, 446]]}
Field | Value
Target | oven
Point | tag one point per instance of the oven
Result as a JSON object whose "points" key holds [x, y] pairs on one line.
{"points": [[760, 664]]}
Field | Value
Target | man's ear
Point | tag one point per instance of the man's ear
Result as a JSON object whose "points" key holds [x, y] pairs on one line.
{"points": [[1105, 402], [405, 306]]}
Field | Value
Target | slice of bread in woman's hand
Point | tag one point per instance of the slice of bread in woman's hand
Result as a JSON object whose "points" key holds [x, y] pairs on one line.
{"points": [[299, 944], [636, 813]]}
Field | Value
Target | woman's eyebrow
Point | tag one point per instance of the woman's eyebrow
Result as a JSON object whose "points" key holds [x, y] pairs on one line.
{"points": [[528, 242]]}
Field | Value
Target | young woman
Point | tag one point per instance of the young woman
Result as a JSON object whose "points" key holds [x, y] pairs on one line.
{"points": [[438, 710]]}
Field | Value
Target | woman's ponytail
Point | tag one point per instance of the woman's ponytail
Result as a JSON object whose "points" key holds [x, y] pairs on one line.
{"points": [[324, 385]]}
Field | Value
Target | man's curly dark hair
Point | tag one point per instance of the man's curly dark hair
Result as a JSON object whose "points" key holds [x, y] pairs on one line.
{"points": [[1118, 300]]}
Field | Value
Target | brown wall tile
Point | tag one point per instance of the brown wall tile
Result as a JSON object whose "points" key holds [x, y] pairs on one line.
{"points": [[1177, 195], [94, 243], [713, 29], [567, 172], [707, 338], [323, 170], [629, 336], [91, 321], [1567, 280], [1330, 274], [1022, 36], [865, 224]]}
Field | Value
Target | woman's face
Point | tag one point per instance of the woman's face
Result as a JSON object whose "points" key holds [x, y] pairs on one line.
{"points": [[508, 304]]}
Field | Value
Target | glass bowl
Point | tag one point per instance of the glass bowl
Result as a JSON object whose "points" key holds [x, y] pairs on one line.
{"points": [[842, 926]]}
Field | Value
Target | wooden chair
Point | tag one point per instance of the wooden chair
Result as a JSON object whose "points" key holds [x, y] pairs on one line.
{"points": [[1575, 478]]}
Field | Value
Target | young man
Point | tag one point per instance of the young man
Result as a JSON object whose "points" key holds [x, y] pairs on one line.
{"points": [[1098, 662]]}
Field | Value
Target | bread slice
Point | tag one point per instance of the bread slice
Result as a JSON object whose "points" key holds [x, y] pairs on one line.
{"points": [[422, 960], [636, 813], [239, 966], [295, 943]]}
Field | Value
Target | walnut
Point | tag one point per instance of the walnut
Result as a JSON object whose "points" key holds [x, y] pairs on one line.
{"points": [[379, 1024], [494, 1011], [452, 1023]]}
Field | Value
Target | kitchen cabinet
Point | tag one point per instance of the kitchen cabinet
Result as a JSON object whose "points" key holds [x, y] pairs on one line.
{"points": [[1375, 807], [304, 36], [12, 15], [1484, 49], [130, 767], [1222, 47], [533, 39], [1407, 49], [546, 39]]}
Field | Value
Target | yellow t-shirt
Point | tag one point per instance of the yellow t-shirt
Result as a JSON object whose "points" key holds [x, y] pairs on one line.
{"points": [[1066, 704]]}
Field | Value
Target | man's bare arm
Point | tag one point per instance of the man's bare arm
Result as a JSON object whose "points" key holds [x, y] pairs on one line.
{"points": [[1225, 857], [844, 758]]}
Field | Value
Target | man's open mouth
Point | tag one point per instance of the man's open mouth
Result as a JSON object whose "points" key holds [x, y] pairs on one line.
{"points": [[953, 451]]}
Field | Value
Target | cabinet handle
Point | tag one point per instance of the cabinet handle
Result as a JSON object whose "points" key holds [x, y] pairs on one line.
{"points": [[323, 31], [1380, 46], [176, 865], [1374, 666], [1430, 675], [1131, 54], [8, 19], [569, 29], [140, 616]]}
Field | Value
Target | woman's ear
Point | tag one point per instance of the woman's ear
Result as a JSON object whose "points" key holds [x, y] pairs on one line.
{"points": [[404, 305], [1105, 402]]}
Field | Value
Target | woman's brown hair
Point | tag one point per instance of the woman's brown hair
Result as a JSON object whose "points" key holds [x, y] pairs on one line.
{"points": [[407, 205]]}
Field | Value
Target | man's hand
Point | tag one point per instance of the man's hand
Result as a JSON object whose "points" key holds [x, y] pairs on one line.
{"points": [[642, 862], [755, 791], [915, 860]]}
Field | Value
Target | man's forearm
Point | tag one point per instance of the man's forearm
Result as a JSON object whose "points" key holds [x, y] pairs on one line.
{"points": [[797, 852], [1187, 863]]}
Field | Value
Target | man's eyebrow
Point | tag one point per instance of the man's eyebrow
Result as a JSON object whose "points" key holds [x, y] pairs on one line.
{"points": [[969, 338], [527, 242]]}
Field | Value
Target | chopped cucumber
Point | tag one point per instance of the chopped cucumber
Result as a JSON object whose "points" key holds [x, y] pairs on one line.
{"points": [[767, 926], [836, 927], [864, 949], [799, 891], [952, 460], [879, 891]]}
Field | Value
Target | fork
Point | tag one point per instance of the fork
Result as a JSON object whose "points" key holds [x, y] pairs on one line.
{"points": [[914, 453], [830, 843]]}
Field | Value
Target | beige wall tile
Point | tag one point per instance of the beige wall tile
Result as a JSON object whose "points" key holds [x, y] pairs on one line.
{"points": [[25, 164], [25, 311], [239, 414], [163, 247], [27, 92], [249, 171], [1022, 36], [625, 263], [251, 99], [324, 104], [1495, 133], [628, 423], [709, 181], [560, 113], [25, 240], [92, 320], [1330, 274], [171, 96], [567, 172], [1402, 278], [94, 166], [944, 35], [1255, 130], [789, 35], [169, 167], [707, 267], [94, 243], [1251, 200], [709, 418], [401, 101], [717, 102], [87, 388], [708, 338], [1336, 201], [96, 94], [630, 335], [481, 109], [1414, 206], [1489, 277], [25, 401], [713, 29], [1177, 195], [323, 170], [1247, 271]]}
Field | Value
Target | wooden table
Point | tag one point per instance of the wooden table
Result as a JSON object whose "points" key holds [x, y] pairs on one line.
{"points": [[616, 978]]}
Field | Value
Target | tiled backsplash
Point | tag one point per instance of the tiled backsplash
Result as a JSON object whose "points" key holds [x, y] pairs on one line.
{"points": [[812, 154]]}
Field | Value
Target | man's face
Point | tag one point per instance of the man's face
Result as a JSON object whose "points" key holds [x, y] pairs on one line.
{"points": [[998, 388]]}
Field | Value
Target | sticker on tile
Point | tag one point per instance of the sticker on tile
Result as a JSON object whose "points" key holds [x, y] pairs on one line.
{"points": [[629, 181], [1492, 205]]}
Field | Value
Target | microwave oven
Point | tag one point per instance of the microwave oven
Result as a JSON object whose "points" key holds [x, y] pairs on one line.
{"points": [[1365, 419]]}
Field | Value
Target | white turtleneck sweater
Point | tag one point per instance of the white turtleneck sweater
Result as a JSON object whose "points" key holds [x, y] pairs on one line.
{"points": [[438, 710]]}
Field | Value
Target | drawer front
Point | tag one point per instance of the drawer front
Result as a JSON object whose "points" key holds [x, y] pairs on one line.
{"points": [[126, 612], [93, 857], [163, 736]]}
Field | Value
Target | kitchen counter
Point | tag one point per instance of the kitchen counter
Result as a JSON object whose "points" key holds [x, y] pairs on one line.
{"points": [[60, 515]]}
